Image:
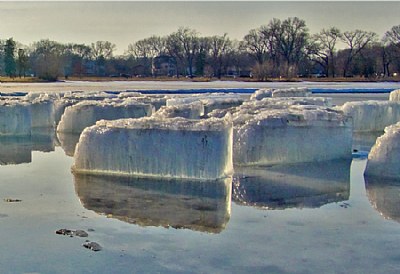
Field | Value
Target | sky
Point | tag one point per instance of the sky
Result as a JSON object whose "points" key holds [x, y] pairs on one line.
{"points": [[125, 22]]}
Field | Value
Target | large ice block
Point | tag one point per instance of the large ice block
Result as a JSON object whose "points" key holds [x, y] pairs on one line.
{"points": [[15, 118], [42, 107], [384, 158], [395, 95], [291, 92], [154, 147], [194, 110], [372, 115], [289, 135], [86, 113], [210, 101], [201, 206]]}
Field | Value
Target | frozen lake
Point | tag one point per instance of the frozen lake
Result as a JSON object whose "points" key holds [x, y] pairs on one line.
{"points": [[313, 218]]}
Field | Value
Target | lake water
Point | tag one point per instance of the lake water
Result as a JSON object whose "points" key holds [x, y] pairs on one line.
{"points": [[304, 218]]}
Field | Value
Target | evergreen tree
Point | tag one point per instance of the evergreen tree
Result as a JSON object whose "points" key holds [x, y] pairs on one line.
{"points": [[9, 60]]}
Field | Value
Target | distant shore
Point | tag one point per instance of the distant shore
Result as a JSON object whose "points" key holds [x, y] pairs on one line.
{"points": [[199, 79]]}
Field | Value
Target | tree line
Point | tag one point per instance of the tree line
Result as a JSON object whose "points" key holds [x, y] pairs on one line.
{"points": [[280, 49]]}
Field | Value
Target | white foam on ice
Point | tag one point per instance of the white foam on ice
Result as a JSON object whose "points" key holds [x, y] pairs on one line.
{"points": [[154, 147], [372, 115], [79, 116], [384, 158]]}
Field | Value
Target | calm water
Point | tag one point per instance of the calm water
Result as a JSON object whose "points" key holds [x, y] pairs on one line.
{"points": [[282, 219]]}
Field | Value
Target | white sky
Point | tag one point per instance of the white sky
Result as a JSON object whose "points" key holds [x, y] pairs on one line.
{"points": [[125, 22]]}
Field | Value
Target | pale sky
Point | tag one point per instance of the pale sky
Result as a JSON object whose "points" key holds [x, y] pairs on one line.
{"points": [[125, 22]]}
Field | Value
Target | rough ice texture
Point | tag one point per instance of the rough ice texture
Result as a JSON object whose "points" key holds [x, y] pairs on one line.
{"points": [[261, 94], [384, 158], [82, 96], [194, 110], [42, 110], [372, 115], [298, 133], [201, 206], [210, 101], [153, 147], [59, 107], [291, 92], [395, 95], [78, 117], [15, 118]]}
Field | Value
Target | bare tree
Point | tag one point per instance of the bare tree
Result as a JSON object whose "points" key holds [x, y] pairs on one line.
{"points": [[254, 44], [220, 47], [393, 36], [322, 49], [356, 41]]}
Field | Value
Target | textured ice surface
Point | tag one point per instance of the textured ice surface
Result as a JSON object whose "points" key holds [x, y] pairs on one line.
{"points": [[42, 109], [200, 206], [261, 94], [291, 92], [15, 118], [372, 115], [86, 113], [153, 147], [193, 110], [210, 101], [384, 158], [395, 95], [298, 133]]}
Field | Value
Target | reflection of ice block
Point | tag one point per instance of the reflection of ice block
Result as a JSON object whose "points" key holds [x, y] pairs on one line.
{"points": [[68, 142], [291, 92], [86, 113], [295, 134], [43, 139], [395, 95], [152, 147], [372, 115], [15, 150], [384, 158], [191, 111], [384, 195], [15, 118], [201, 206], [295, 185]]}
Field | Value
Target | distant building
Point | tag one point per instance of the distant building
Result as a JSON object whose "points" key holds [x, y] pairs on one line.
{"points": [[164, 65]]}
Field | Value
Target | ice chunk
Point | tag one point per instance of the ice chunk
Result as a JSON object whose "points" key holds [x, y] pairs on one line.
{"points": [[291, 92], [86, 113], [153, 147], [194, 110], [372, 115], [395, 95], [59, 107], [200, 206], [42, 110], [210, 101], [15, 118], [261, 94], [384, 158], [298, 133]]}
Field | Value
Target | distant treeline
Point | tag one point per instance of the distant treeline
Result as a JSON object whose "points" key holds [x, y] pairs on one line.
{"points": [[280, 49]]}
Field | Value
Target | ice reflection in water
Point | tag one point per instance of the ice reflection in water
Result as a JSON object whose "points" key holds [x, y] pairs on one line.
{"points": [[195, 205], [295, 185], [68, 142], [384, 195], [18, 149]]}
